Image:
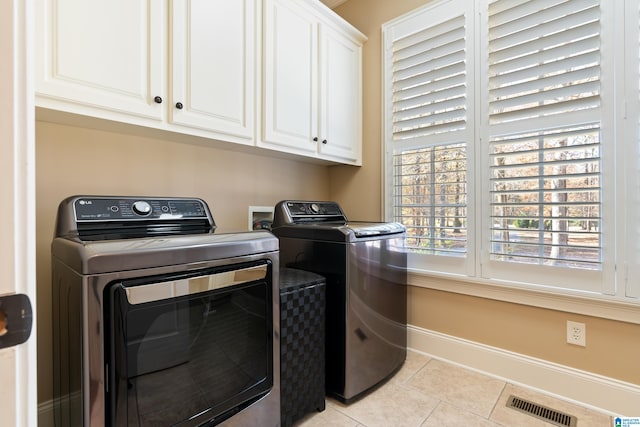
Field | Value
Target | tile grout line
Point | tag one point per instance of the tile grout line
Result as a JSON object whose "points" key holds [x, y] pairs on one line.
{"points": [[495, 405], [440, 403]]}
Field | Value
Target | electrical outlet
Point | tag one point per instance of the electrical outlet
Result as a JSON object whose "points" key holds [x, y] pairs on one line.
{"points": [[576, 333]]}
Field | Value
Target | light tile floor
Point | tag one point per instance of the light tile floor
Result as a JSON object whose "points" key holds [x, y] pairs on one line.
{"points": [[428, 392]]}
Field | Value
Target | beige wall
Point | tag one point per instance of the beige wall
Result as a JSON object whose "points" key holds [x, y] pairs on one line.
{"points": [[72, 160], [612, 347], [359, 191]]}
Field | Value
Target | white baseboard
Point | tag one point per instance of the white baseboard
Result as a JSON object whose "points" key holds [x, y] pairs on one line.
{"points": [[585, 388]]}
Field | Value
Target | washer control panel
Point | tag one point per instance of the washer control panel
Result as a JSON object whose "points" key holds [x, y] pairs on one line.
{"points": [[314, 209], [306, 212], [100, 209]]}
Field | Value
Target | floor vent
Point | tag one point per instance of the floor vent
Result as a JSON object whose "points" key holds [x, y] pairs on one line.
{"points": [[549, 415]]}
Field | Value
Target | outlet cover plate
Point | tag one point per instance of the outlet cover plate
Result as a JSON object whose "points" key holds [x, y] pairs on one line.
{"points": [[576, 333]]}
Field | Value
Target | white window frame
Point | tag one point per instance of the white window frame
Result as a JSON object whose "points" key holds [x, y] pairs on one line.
{"points": [[619, 279], [628, 174]]}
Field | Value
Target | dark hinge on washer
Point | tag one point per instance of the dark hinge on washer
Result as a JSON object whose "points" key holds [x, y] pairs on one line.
{"points": [[549, 415]]}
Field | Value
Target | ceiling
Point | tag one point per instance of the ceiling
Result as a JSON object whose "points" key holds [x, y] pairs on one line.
{"points": [[333, 3]]}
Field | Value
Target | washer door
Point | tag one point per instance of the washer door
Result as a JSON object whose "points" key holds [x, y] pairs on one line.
{"points": [[189, 348]]}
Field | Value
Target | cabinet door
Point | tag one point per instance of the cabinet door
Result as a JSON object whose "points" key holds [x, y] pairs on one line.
{"points": [[290, 77], [340, 97], [105, 55], [213, 64]]}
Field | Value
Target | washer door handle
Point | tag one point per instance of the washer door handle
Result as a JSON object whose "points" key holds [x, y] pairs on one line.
{"points": [[16, 319]]}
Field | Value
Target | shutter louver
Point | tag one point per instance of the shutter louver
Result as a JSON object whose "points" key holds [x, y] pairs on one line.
{"points": [[429, 81], [543, 58], [545, 198]]}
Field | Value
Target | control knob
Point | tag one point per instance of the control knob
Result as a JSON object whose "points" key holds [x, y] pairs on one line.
{"points": [[315, 208], [141, 208]]}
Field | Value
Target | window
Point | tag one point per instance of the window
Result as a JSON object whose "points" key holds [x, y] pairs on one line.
{"points": [[430, 195], [501, 137], [429, 91], [545, 198]]}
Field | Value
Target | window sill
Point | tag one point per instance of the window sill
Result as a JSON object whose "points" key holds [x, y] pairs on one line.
{"points": [[607, 307]]}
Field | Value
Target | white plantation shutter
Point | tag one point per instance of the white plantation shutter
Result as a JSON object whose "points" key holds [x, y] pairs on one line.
{"points": [[523, 89], [544, 132], [544, 60], [429, 80], [429, 92]]}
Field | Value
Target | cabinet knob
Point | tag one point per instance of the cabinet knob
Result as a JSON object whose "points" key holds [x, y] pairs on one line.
{"points": [[179, 105], [324, 141], [315, 138], [157, 100]]}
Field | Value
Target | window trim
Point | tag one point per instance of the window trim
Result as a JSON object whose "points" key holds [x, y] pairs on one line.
{"points": [[603, 306], [629, 172]]}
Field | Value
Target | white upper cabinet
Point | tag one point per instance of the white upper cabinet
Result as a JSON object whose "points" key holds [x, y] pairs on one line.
{"points": [[340, 96], [101, 56], [290, 103], [280, 74], [312, 94], [213, 65], [111, 60]]}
